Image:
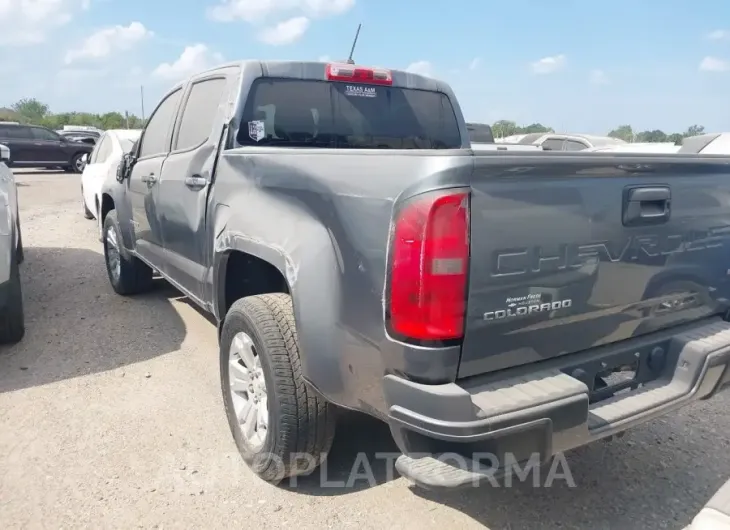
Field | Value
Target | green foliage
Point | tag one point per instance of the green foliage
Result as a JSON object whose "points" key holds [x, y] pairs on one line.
{"points": [[34, 112]]}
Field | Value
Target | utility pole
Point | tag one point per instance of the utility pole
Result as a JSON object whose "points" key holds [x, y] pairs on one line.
{"points": [[126, 117], [141, 96]]}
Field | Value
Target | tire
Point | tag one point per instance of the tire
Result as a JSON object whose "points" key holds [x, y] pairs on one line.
{"points": [[132, 275], [87, 213], [12, 317], [20, 253], [299, 421], [76, 165]]}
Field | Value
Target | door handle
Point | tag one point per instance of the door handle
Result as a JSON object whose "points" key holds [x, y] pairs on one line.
{"points": [[646, 205], [149, 179], [195, 182]]}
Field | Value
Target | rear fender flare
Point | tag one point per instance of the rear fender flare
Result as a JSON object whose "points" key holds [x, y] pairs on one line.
{"points": [[312, 274]]}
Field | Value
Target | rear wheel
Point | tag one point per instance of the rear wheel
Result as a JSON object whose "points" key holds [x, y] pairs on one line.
{"points": [[127, 274], [12, 318], [280, 426]]}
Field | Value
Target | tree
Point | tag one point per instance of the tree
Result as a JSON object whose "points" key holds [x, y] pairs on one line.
{"points": [[676, 138], [694, 130], [503, 128], [652, 136], [30, 109], [623, 132], [536, 128]]}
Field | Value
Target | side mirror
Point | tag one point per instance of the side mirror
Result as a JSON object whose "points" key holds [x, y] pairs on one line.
{"points": [[124, 167]]}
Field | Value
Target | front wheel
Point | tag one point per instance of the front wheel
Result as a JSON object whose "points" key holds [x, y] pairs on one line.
{"points": [[127, 274], [280, 426], [77, 163]]}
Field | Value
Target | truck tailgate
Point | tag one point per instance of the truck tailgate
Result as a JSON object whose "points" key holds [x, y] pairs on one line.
{"points": [[572, 252]]}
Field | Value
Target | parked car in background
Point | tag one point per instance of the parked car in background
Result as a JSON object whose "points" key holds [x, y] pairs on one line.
{"points": [[482, 139], [89, 137], [35, 146], [12, 317], [567, 142], [638, 147], [707, 144], [102, 164]]}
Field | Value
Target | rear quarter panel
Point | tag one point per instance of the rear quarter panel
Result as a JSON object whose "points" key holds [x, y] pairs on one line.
{"points": [[323, 219]]}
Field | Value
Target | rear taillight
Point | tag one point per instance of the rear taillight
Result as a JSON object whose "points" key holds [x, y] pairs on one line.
{"points": [[429, 260], [358, 74]]}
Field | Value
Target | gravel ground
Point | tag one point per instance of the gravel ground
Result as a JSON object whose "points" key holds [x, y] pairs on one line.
{"points": [[111, 417]]}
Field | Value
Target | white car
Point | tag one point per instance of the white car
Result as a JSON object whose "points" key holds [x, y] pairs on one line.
{"points": [[707, 144], [102, 164], [639, 147]]}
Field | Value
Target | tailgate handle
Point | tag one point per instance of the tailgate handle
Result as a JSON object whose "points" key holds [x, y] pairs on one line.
{"points": [[646, 205]]}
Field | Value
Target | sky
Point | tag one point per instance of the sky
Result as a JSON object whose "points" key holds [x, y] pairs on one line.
{"points": [[577, 66]]}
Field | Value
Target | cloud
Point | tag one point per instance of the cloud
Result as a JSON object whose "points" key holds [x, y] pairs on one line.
{"points": [[598, 77], [192, 60], [324, 58], [262, 10], [719, 34], [713, 64], [106, 41], [474, 64], [549, 65], [285, 32], [27, 22], [421, 68]]}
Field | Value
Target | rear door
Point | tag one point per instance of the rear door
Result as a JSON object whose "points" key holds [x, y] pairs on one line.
{"points": [[572, 256], [47, 146], [186, 178]]}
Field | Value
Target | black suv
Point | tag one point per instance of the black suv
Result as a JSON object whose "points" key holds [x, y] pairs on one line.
{"points": [[34, 146]]}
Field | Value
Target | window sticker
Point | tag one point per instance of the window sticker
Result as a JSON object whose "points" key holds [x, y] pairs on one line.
{"points": [[361, 91], [256, 130]]}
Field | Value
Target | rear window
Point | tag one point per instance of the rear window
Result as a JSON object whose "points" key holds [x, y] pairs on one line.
{"points": [[126, 144], [480, 133], [307, 113]]}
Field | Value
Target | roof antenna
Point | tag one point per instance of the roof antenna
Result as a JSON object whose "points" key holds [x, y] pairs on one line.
{"points": [[354, 43]]}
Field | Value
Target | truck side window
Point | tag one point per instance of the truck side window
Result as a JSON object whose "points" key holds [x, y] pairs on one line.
{"points": [[199, 113], [156, 139]]}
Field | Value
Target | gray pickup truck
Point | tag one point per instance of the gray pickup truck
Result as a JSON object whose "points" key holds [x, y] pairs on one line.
{"points": [[357, 253]]}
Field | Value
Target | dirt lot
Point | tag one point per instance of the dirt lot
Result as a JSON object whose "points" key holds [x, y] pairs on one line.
{"points": [[111, 417]]}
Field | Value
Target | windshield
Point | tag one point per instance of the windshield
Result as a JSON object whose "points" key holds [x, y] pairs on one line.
{"points": [[307, 113]]}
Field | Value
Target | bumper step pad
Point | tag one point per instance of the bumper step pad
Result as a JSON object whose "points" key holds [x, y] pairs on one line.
{"points": [[551, 409]]}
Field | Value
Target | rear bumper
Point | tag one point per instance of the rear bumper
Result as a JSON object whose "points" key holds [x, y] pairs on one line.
{"points": [[524, 414]]}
